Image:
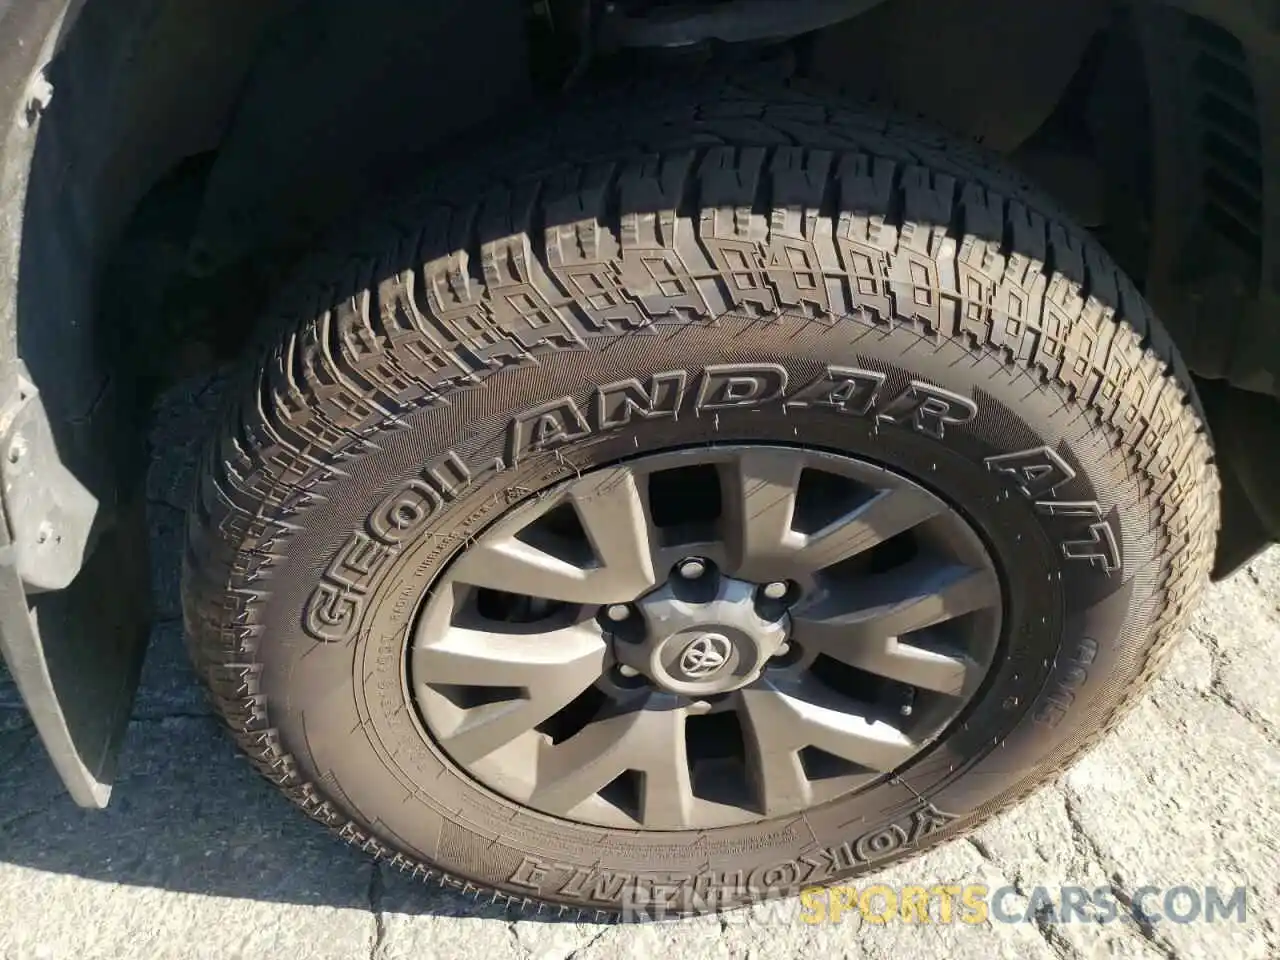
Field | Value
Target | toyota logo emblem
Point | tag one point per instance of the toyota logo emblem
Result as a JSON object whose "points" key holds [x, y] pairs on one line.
{"points": [[705, 656]]}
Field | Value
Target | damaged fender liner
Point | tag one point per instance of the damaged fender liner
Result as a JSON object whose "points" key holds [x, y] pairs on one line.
{"points": [[79, 689]]}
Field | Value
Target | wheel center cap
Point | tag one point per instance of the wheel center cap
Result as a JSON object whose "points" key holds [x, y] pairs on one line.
{"points": [[705, 656], [699, 643]]}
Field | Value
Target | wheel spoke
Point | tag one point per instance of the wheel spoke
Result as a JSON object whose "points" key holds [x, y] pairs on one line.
{"points": [[773, 756], [862, 625], [912, 597], [550, 669], [887, 514], [617, 523], [943, 670], [648, 739], [759, 489], [759, 494], [666, 791], [784, 718]]}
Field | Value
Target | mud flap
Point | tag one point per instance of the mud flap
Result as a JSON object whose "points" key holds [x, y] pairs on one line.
{"points": [[75, 654]]}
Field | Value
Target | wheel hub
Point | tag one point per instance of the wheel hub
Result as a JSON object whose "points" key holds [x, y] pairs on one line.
{"points": [[705, 638]]}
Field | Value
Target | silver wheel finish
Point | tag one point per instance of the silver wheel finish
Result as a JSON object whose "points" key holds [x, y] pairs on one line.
{"points": [[611, 654]]}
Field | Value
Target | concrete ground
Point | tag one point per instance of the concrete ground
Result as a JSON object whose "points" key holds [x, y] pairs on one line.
{"points": [[196, 857]]}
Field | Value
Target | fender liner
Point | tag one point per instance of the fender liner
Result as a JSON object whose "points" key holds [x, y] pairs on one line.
{"points": [[347, 98]]}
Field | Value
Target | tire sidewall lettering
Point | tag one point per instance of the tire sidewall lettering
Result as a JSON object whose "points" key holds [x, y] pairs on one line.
{"points": [[333, 614]]}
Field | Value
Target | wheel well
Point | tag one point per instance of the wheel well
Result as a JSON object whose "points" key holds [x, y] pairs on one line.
{"points": [[134, 87], [1214, 174]]}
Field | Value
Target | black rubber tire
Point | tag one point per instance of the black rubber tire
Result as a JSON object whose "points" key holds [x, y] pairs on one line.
{"points": [[1024, 379]]}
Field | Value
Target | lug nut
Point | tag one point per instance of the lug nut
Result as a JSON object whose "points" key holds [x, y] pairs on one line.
{"points": [[776, 590], [699, 706], [692, 568], [618, 612], [783, 650], [627, 670]]}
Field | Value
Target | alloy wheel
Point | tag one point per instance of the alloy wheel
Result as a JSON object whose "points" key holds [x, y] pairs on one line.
{"points": [[706, 637]]}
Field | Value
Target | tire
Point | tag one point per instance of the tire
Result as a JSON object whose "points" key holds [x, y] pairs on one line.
{"points": [[963, 339]]}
